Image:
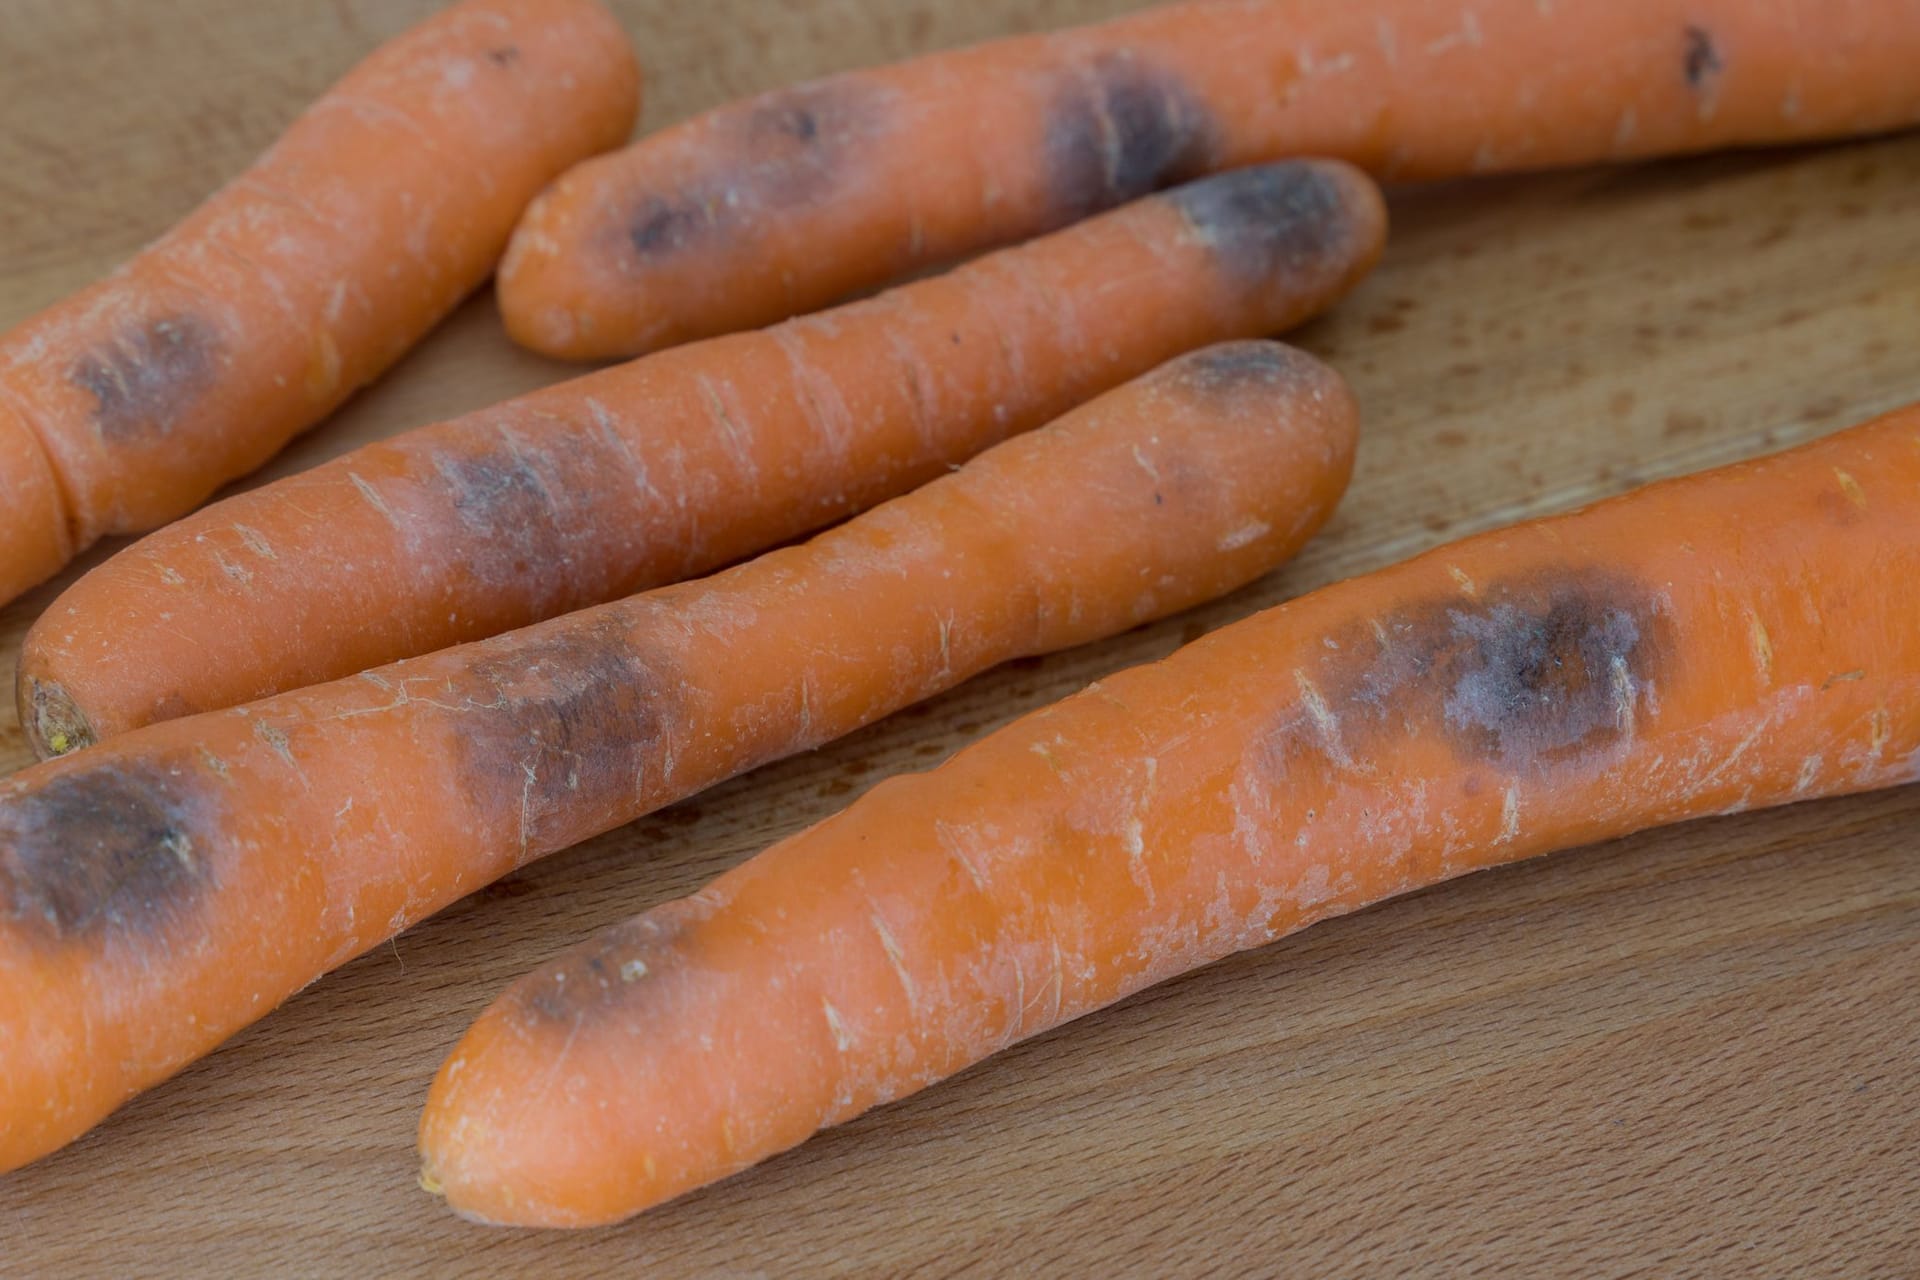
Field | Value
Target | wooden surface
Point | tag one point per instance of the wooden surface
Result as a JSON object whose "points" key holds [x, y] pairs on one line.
{"points": [[1693, 1051]]}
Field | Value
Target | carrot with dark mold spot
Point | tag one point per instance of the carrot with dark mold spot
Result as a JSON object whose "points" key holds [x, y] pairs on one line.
{"points": [[676, 464], [1704, 645], [703, 228], [107, 848], [164, 889], [377, 210]]}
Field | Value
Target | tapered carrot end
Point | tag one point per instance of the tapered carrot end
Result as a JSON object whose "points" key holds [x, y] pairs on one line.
{"points": [[1294, 233], [546, 303], [54, 722], [508, 1140], [622, 1073]]}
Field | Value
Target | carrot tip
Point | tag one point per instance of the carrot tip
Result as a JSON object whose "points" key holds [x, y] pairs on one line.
{"points": [[54, 721]]}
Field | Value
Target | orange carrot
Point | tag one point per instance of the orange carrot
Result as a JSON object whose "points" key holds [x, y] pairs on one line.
{"points": [[378, 209], [162, 890], [1726, 641], [677, 464], [782, 203]]}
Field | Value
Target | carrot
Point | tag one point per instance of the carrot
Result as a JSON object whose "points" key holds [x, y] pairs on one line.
{"points": [[387, 201], [165, 889], [675, 465], [781, 203], [1730, 640]]}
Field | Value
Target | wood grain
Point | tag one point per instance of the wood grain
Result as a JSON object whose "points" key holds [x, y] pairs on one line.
{"points": [[1691, 1052]]}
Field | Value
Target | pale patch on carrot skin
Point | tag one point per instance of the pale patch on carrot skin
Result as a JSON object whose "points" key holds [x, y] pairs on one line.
{"points": [[1851, 488], [145, 378], [113, 848]]}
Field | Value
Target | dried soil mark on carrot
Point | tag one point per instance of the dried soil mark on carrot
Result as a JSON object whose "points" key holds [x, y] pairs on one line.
{"points": [[117, 845], [1119, 129], [563, 729], [778, 151], [144, 379], [1258, 222]]}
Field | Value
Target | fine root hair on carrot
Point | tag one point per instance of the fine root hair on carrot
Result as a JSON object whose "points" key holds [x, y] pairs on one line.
{"points": [[1562, 681], [168, 886], [781, 203], [388, 200], [674, 465]]}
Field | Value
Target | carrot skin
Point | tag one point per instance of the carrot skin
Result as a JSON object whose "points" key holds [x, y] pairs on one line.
{"points": [[781, 203], [674, 465], [1705, 645], [384, 204], [165, 889]]}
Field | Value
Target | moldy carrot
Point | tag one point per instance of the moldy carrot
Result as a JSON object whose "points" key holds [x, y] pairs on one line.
{"points": [[1726, 641], [784, 202], [377, 210], [165, 889], [674, 465]]}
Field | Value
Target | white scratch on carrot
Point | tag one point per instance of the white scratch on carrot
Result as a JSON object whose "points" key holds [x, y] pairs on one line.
{"points": [[1245, 534], [1624, 128], [1762, 646], [275, 739], [1324, 721], [255, 541], [372, 498], [1621, 681], [1739, 750], [1389, 44], [841, 1040], [1851, 487], [894, 958]]}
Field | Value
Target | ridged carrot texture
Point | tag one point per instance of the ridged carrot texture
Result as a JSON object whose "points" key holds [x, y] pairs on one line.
{"points": [[1736, 639], [677, 464], [163, 890], [388, 200], [779, 204]]}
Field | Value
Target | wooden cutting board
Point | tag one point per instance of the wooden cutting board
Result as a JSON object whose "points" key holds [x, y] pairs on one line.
{"points": [[1694, 1051]]}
